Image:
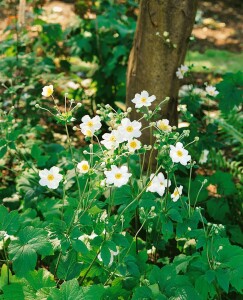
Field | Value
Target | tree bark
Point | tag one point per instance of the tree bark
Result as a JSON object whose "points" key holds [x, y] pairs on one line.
{"points": [[153, 61]]}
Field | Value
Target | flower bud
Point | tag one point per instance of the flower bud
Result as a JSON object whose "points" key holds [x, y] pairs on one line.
{"points": [[165, 33]]}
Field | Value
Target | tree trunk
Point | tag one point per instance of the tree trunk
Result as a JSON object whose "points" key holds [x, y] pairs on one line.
{"points": [[153, 61]]}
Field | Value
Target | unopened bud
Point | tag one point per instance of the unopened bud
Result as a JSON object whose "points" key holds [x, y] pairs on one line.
{"points": [[165, 33]]}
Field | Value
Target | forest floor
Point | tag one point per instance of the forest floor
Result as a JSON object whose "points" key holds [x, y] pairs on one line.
{"points": [[219, 25]]}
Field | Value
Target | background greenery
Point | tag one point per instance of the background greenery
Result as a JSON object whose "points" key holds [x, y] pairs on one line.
{"points": [[92, 54]]}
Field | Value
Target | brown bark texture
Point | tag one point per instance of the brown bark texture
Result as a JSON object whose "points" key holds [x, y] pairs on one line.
{"points": [[153, 62]]}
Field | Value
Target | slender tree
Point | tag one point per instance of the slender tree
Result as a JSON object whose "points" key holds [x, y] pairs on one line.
{"points": [[163, 31]]}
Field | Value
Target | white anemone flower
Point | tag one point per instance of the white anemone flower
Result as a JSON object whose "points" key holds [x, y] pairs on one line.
{"points": [[129, 129], [177, 193], [164, 125], [133, 145], [50, 178], [143, 99], [158, 184], [117, 176], [111, 140], [47, 91], [211, 91], [85, 238], [90, 125], [179, 155], [181, 71], [113, 253], [204, 156], [83, 167]]}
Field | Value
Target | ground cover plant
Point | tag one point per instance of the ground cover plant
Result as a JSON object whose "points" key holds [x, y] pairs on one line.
{"points": [[87, 210], [94, 221]]}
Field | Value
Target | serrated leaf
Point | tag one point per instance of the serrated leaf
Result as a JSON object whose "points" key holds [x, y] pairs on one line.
{"points": [[105, 255], [23, 252], [14, 291], [9, 222], [142, 292], [223, 279], [69, 267], [230, 91], [224, 182], [40, 279], [3, 151], [35, 151], [69, 290], [123, 195], [174, 215]]}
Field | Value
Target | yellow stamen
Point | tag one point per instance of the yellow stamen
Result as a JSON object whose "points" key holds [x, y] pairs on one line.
{"points": [[179, 153], [163, 126], [133, 144], [50, 177], [118, 175], [129, 129], [85, 167], [143, 100], [90, 124], [112, 138]]}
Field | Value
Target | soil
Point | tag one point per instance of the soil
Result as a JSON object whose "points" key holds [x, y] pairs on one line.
{"points": [[220, 26]]}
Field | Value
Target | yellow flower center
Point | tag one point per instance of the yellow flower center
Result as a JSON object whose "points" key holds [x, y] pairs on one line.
{"points": [[133, 144], [89, 133], [179, 153], [163, 126], [112, 138], [85, 167], [90, 124], [49, 91], [118, 175], [143, 100], [161, 183], [50, 177], [129, 129], [176, 192]]}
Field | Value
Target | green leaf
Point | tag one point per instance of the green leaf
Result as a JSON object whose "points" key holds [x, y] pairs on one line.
{"points": [[14, 291], [224, 182], [105, 255], [142, 292], [230, 91], [123, 195], [9, 222], [40, 279], [35, 151], [223, 279], [69, 291], [3, 151], [6, 276], [174, 215], [69, 267], [218, 209], [23, 252]]}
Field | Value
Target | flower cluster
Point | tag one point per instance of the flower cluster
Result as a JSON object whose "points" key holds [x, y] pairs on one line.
{"points": [[120, 142]]}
